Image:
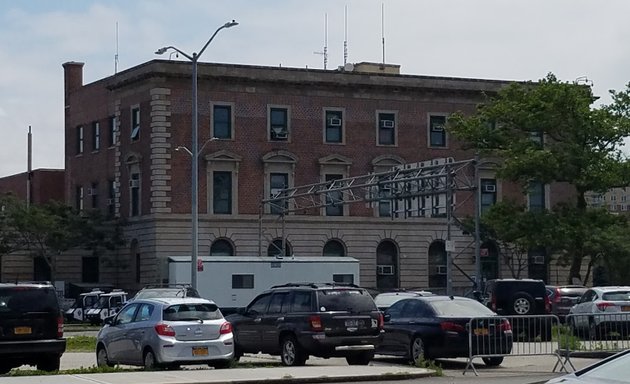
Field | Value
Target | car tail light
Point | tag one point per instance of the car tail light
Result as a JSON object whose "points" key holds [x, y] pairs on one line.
{"points": [[164, 330], [603, 305], [452, 327], [493, 302], [225, 328], [316, 323], [381, 321], [505, 326], [60, 327], [557, 297], [547, 304]]}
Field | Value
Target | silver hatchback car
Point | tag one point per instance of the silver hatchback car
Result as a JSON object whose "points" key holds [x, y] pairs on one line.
{"points": [[166, 332]]}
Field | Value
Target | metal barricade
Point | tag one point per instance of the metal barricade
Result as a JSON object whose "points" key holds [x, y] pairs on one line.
{"points": [[594, 335], [492, 341]]}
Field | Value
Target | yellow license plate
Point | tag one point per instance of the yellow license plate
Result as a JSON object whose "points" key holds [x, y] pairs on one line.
{"points": [[481, 331], [200, 351], [22, 330], [625, 308]]}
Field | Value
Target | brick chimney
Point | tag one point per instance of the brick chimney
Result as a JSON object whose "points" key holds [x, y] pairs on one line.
{"points": [[73, 77]]}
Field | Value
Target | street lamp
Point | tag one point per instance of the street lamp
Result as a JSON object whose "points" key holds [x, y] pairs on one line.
{"points": [[194, 151]]}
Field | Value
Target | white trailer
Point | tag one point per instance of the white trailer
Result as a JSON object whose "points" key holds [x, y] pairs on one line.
{"points": [[233, 281]]}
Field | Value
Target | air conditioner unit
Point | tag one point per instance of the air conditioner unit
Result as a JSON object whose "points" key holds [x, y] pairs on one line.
{"points": [[538, 260], [437, 128], [334, 122], [490, 188], [440, 269], [279, 133], [384, 270], [387, 124], [110, 201], [134, 183]]}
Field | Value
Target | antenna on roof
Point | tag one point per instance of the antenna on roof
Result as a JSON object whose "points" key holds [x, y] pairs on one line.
{"points": [[325, 52], [383, 28], [345, 35], [116, 55]]}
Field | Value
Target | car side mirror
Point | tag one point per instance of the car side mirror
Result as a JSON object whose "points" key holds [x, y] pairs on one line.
{"points": [[110, 320], [387, 317], [241, 311]]}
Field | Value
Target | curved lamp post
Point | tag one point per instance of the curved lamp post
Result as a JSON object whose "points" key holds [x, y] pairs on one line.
{"points": [[194, 151]]}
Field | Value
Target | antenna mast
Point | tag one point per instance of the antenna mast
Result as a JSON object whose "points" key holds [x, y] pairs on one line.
{"points": [[325, 52], [383, 28], [116, 55], [345, 35]]}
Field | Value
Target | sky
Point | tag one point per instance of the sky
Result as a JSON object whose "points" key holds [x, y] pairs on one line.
{"points": [[489, 39]]}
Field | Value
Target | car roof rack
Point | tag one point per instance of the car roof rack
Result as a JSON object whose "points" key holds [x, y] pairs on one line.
{"points": [[315, 285], [167, 285]]}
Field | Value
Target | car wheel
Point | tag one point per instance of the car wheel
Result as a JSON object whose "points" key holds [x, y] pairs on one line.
{"points": [[362, 358], [416, 350], [150, 363], [522, 304], [102, 360], [492, 361], [291, 353], [221, 364], [238, 353], [49, 363]]}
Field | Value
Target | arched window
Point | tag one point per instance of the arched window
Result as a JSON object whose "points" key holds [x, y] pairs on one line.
{"points": [[334, 248], [275, 248], [387, 265], [221, 247], [437, 266]]}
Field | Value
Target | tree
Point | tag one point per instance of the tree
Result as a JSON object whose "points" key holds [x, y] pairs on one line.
{"points": [[550, 131]]}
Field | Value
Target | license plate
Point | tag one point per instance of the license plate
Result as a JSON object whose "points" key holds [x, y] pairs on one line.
{"points": [[480, 331], [22, 330], [352, 323], [625, 308], [200, 351]]}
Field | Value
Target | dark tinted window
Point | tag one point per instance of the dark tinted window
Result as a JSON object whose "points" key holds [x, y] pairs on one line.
{"points": [[397, 308], [352, 300], [461, 307], [302, 301], [279, 303], [416, 308], [19, 300], [260, 304], [192, 311]]}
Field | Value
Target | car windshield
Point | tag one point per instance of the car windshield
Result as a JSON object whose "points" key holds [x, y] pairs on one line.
{"points": [[615, 371], [192, 311], [386, 300], [617, 296], [102, 302], [19, 300], [460, 308], [351, 300]]}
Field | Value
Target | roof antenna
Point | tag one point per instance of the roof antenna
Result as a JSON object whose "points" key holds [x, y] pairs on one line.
{"points": [[116, 55], [383, 28], [345, 35], [325, 52]]}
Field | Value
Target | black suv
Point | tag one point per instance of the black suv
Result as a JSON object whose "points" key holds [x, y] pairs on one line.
{"points": [[300, 319], [31, 327], [521, 300]]}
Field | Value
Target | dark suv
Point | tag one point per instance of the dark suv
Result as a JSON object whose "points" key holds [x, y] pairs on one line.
{"points": [[300, 319], [31, 326], [521, 300]]}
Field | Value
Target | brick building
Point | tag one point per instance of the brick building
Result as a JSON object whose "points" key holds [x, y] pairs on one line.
{"points": [[273, 128], [46, 185]]}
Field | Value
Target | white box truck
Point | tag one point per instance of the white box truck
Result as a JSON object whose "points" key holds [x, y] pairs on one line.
{"points": [[233, 281]]}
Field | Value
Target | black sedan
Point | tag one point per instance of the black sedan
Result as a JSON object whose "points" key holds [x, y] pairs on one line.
{"points": [[438, 327]]}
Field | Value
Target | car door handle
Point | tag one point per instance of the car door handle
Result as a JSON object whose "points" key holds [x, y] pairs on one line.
{"points": [[257, 320]]}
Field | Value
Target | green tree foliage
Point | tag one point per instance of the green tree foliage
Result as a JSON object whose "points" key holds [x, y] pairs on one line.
{"points": [[550, 131]]}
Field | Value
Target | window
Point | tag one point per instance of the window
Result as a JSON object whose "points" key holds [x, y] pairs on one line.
{"points": [[222, 121], [385, 191], [278, 124], [302, 301], [334, 248], [126, 315], [536, 196], [135, 123], [222, 192], [78, 196], [343, 278], [96, 136], [145, 312], [79, 140], [386, 128], [260, 304], [134, 192], [93, 192], [275, 248], [111, 195], [488, 194], [537, 137], [437, 265], [243, 281], [334, 199], [279, 303], [333, 126], [277, 182], [112, 131], [386, 265], [437, 133], [221, 247], [89, 269]]}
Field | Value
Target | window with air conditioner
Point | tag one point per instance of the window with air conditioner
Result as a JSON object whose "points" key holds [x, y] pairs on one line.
{"points": [[437, 134], [333, 129], [538, 259], [489, 188], [384, 270], [386, 128], [278, 124], [134, 183], [387, 124]]}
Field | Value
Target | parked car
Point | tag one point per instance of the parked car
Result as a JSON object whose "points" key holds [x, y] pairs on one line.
{"points": [[611, 370], [166, 332], [601, 311], [108, 305], [31, 327], [522, 301], [564, 297], [166, 290], [296, 320], [85, 301], [386, 299], [432, 327]]}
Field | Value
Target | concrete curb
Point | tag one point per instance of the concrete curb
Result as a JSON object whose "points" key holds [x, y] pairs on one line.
{"points": [[392, 376]]}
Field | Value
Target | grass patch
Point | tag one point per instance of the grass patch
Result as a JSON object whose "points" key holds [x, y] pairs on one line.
{"points": [[81, 344], [567, 339], [429, 364], [76, 371]]}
